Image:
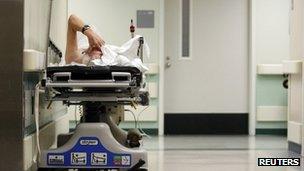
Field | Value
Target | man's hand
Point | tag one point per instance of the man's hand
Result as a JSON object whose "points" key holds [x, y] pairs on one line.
{"points": [[95, 41]]}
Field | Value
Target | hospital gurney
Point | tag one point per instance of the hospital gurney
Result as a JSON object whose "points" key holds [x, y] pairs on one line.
{"points": [[97, 142]]}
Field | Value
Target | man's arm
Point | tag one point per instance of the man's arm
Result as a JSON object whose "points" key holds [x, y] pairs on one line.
{"points": [[72, 53]]}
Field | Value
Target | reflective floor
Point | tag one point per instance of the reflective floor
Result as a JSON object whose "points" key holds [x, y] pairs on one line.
{"points": [[215, 153]]}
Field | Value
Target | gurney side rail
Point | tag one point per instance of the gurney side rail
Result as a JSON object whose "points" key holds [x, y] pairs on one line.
{"points": [[90, 84]]}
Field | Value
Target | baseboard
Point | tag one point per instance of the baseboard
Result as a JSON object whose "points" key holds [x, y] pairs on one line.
{"points": [[271, 132], [205, 123], [294, 147]]}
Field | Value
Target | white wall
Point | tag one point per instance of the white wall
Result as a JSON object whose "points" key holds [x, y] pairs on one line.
{"points": [[272, 31], [36, 24], [58, 29], [297, 30]]}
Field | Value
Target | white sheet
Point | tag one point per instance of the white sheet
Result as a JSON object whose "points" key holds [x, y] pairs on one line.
{"points": [[125, 55]]}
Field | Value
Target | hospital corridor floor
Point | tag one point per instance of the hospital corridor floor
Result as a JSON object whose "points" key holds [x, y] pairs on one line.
{"points": [[216, 153]]}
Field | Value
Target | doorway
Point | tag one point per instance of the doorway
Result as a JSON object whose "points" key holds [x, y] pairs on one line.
{"points": [[206, 60]]}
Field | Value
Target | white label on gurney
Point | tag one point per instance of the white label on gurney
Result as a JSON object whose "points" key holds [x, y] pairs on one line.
{"points": [[88, 142], [56, 159], [99, 158], [78, 158], [125, 160]]}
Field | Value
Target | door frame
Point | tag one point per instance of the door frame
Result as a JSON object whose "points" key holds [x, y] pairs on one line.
{"points": [[161, 67], [252, 67]]}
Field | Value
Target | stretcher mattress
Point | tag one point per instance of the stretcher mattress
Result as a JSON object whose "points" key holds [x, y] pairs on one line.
{"points": [[95, 72]]}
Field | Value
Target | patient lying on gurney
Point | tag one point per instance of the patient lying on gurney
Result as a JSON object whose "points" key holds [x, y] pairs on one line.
{"points": [[89, 48]]}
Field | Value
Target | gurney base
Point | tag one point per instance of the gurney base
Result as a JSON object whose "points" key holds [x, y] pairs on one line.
{"points": [[93, 147]]}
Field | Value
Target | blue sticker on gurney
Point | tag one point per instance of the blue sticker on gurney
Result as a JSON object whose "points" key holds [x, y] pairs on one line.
{"points": [[88, 151]]}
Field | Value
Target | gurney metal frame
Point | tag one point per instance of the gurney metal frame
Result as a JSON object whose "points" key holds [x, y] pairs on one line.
{"points": [[97, 131]]}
